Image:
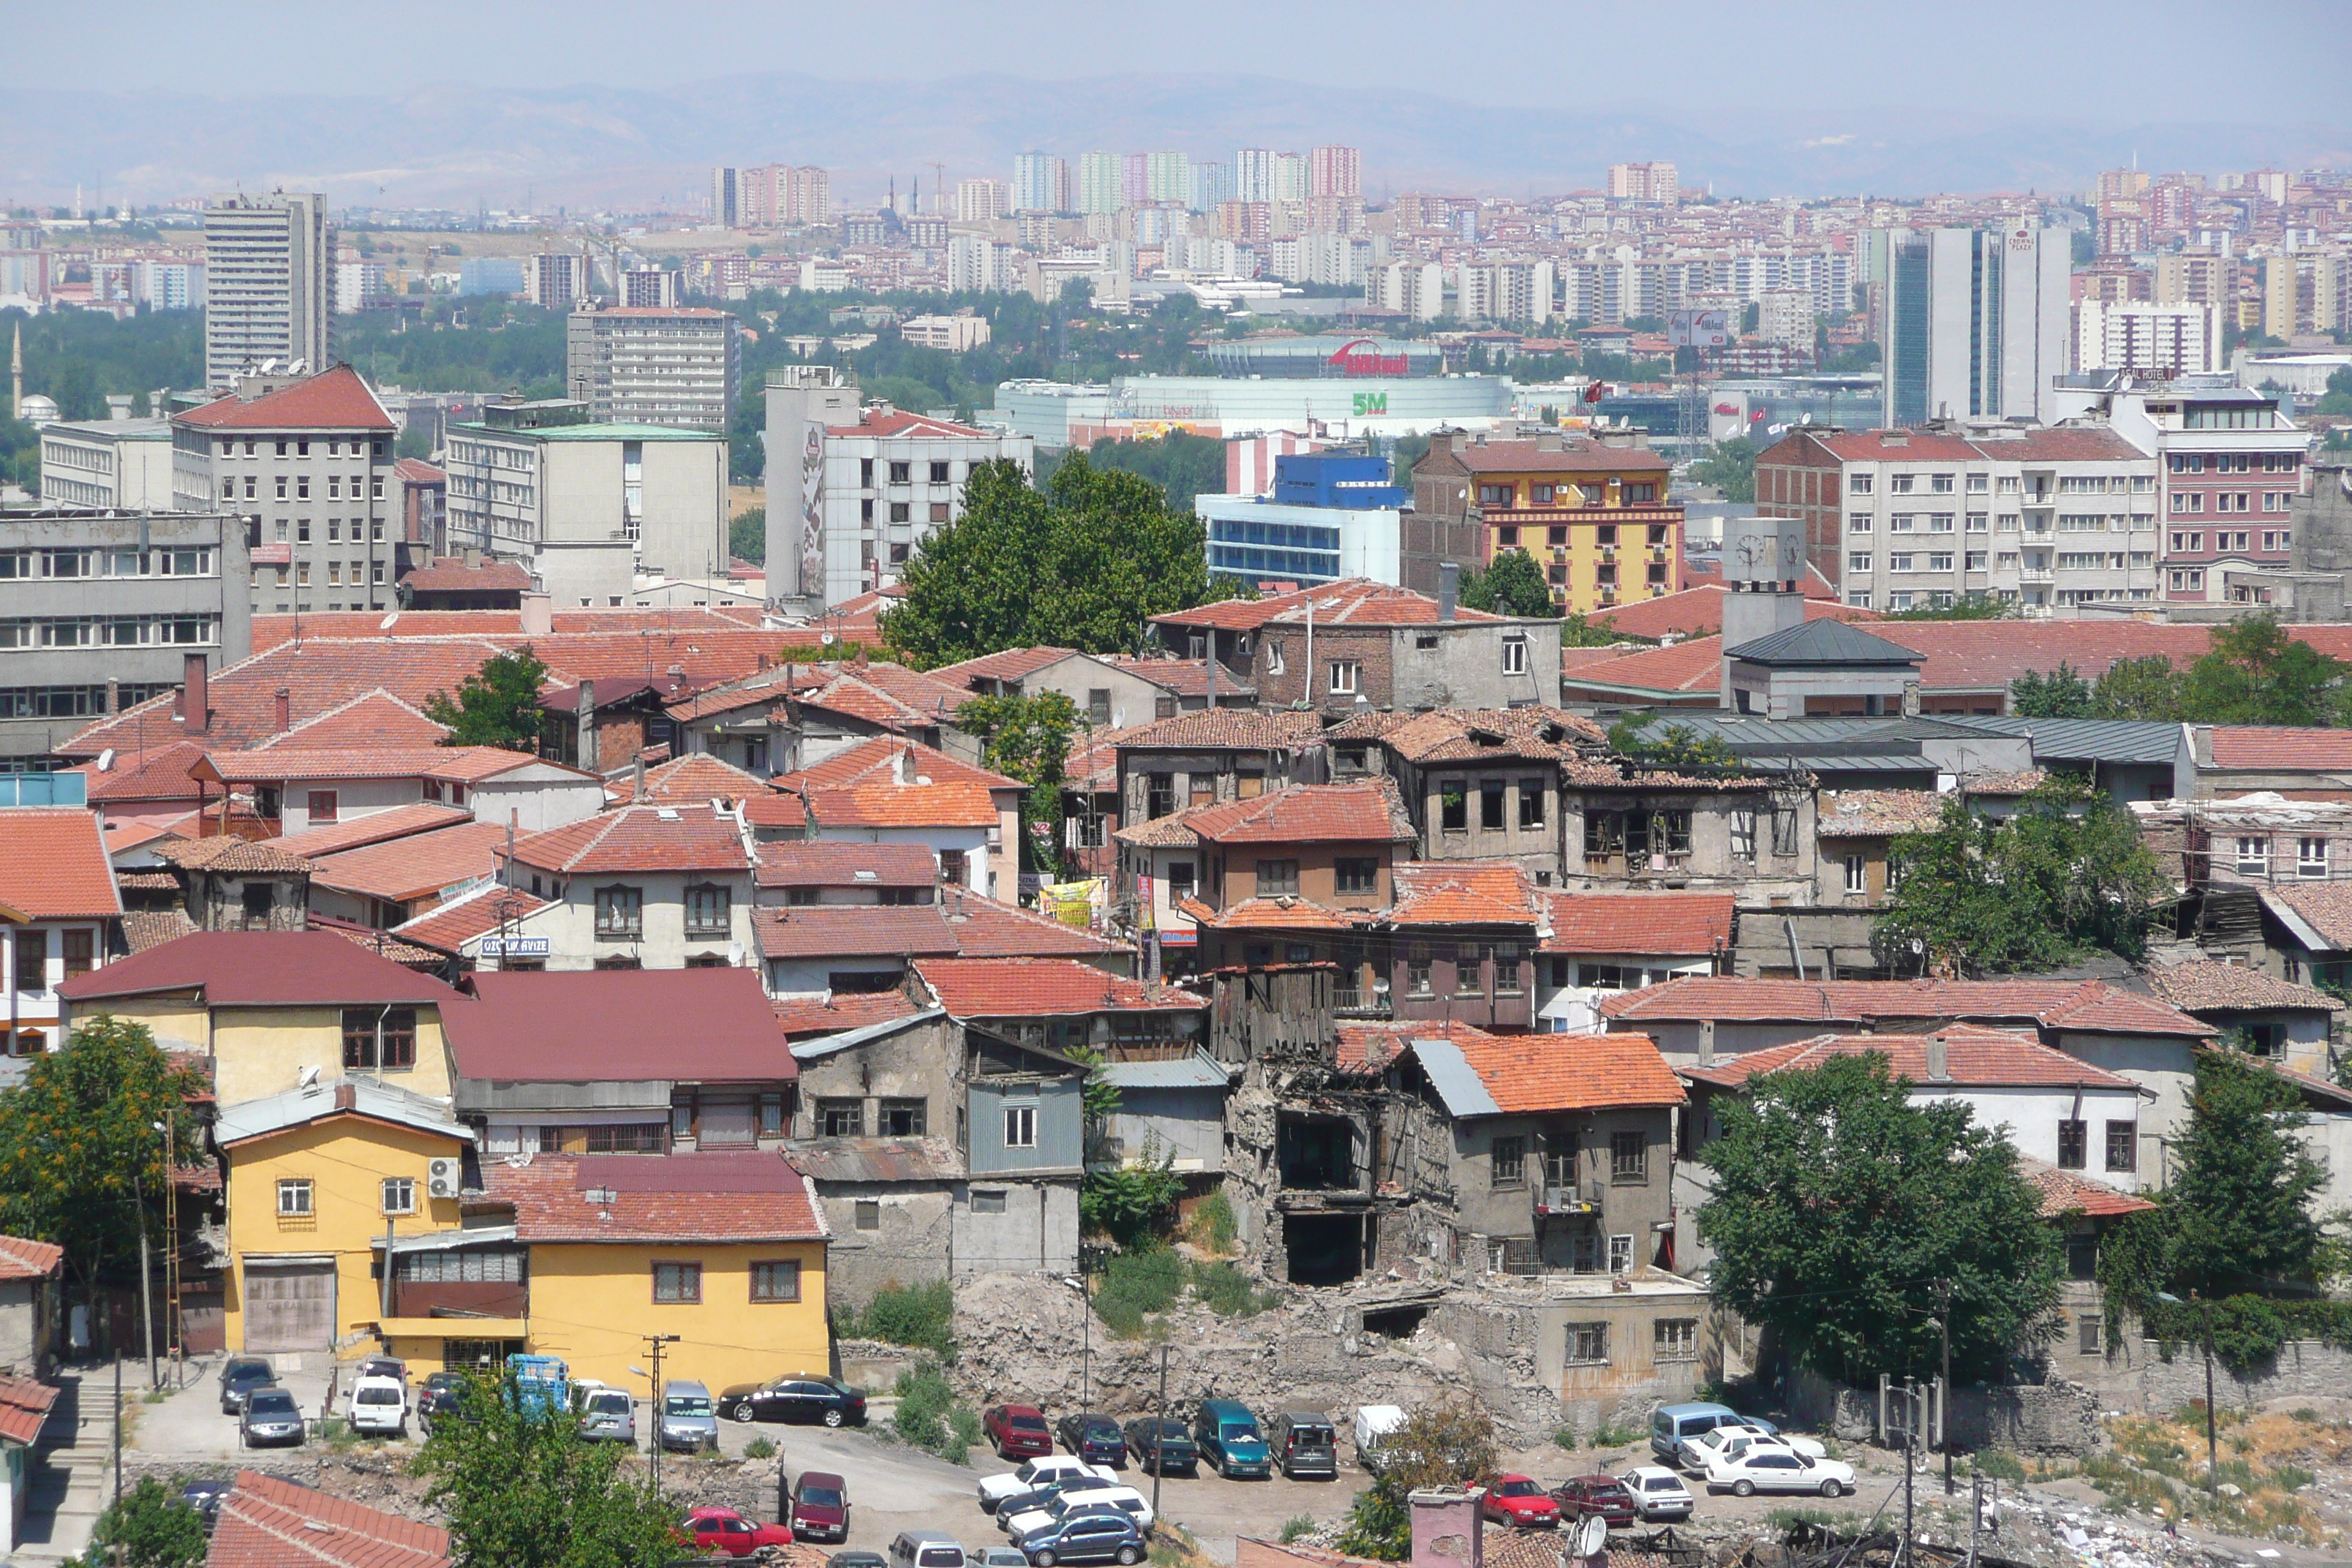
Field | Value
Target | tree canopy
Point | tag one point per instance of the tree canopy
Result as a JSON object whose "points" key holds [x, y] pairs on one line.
{"points": [[2061, 694], [1730, 468], [2254, 672], [1838, 1203], [1450, 1445], [1028, 738], [1676, 748], [151, 1527], [1512, 584], [1083, 563], [1980, 894], [497, 705]]}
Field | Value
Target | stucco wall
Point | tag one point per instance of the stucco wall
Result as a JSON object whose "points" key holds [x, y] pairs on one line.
{"points": [[261, 1051], [593, 1305]]}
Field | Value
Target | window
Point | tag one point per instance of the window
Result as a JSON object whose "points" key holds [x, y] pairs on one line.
{"points": [[1858, 523], [625, 1138], [620, 914], [1356, 876], [1453, 807], [294, 1198], [1495, 495], [2311, 858], [1531, 804], [988, 1200], [379, 1039], [1858, 561], [2123, 1145], [1416, 978], [77, 949], [1939, 561], [902, 1119], [1858, 484], [400, 1194], [1507, 959], [1515, 656], [1507, 1163], [1179, 879], [1021, 1127], [32, 961], [869, 1214], [902, 473], [706, 909], [1621, 1254], [1673, 1339], [1629, 1157], [780, 1281], [1857, 875], [2072, 1135], [1587, 1345], [2088, 1334], [1274, 660], [841, 1117], [323, 806], [1604, 834], [1276, 877], [1467, 982], [902, 511], [679, 1282], [259, 899], [2254, 856], [1490, 804], [1898, 484], [1158, 795], [1743, 833], [1344, 672]]}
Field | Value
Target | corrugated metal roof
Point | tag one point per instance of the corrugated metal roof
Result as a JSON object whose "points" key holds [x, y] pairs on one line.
{"points": [[875, 1159], [1195, 1071], [2086, 739], [827, 1045], [275, 1113], [1456, 1081]]}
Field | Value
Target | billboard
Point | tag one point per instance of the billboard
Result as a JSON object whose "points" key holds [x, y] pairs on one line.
{"points": [[1698, 329]]}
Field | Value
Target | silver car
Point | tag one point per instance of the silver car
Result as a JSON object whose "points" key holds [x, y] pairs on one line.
{"points": [[689, 1422], [271, 1417], [609, 1416]]}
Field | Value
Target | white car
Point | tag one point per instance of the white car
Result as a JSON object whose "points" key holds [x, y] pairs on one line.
{"points": [[1658, 1493], [1043, 1470], [1763, 1468], [380, 1405], [1127, 1499], [1732, 1438]]}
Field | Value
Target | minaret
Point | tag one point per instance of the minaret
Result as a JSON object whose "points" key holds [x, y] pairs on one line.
{"points": [[16, 374]]}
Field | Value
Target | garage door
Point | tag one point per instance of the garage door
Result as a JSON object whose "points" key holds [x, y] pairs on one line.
{"points": [[291, 1308]]}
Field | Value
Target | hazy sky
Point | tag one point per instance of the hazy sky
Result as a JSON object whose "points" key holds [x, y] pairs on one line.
{"points": [[2249, 62]]}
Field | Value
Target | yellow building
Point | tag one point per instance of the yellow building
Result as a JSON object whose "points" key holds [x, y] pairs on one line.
{"points": [[1594, 516], [271, 1007]]}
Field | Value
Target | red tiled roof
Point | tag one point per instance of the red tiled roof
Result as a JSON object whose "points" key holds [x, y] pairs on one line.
{"points": [[987, 928], [809, 863], [2297, 750], [1526, 1073], [1693, 665], [285, 763], [376, 827], [747, 1196], [897, 423], [1042, 987], [53, 864], [416, 471], [2204, 985], [450, 574], [1247, 728], [1272, 914], [2067, 1192], [1184, 677], [640, 838], [1463, 892], [383, 944], [1673, 925], [23, 1258], [417, 866], [159, 773], [580, 1025], [2325, 907], [25, 1408], [1368, 812], [2060, 444], [143, 929], [1877, 812], [1876, 445], [881, 804], [475, 914], [1009, 664], [880, 757], [1698, 612], [852, 931], [697, 776], [1248, 615], [1533, 733], [802, 1017], [261, 969], [334, 399], [1976, 1059], [266, 1522], [229, 854], [2091, 1006]]}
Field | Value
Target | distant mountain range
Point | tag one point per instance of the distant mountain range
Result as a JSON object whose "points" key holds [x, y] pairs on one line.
{"points": [[596, 146]]}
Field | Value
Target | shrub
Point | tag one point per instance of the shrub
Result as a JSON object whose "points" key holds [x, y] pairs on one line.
{"points": [[1225, 1291], [153, 1529], [1134, 1285], [1566, 1438], [760, 1447], [919, 1316], [1615, 1437], [1213, 1228], [1297, 1526], [2000, 1463]]}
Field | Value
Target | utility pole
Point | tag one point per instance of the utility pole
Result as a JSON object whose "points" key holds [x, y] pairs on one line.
{"points": [[171, 1248], [1158, 1464], [1943, 1392], [654, 1344], [2212, 1451], [146, 1285], [1976, 1515], [117, 1426], [387, 1266], [1910, 1444]]}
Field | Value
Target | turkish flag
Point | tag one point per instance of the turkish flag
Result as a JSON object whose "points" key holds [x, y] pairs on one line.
{"points": [[1592, 392]]}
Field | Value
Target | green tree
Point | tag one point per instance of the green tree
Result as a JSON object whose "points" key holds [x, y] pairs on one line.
{"points": [[1512, 584], [2256, 674], [520, 1490], [1730, 467], [1678, 748], [81, 1163], [152, 1528], [2066, 874], [2241, 1203], [1963, 607], [1575, 631], [1182, 466], [747, 536], [1449, 1444], [2338, 399], [2061, 694], [2146, 687], [1028, 738], [497, 705], [1084, 563], [1837, 1204], [414, 442]]}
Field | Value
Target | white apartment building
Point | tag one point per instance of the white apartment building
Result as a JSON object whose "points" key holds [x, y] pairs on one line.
{"points": [[1320, 258], [1416, 288], [1099, 182], [268, 288], [358, 285], [1290, 178], [983, 201], [1511, 291], [306, 462], [557, 280], [1334, 171], [677, 365], [1786, 316], [952, 334], [649, 288], [589, 507], [1254, 174], [978, 264], [122, 464], [2158, 340], [1041, 184]]}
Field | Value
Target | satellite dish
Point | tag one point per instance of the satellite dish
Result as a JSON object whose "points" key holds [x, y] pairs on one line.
{"points": [[386, 624], [106, 759], [1591, 1536]]}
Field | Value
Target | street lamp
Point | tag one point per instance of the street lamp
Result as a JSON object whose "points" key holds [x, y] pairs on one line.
{"points": [[2212, 1451]]}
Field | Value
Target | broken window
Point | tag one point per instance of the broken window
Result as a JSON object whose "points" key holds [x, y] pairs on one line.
{"points": [[1604, 834], [1531, 804], [841, 1117], [1316, 1152], [1743, 833], [1784, 830], [901, 1118], [2073, 1140], [1454, 809], [1160, 794], [1490, 805]]}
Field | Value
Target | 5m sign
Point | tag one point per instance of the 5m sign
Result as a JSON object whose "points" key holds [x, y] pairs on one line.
{"points": [[1370, 403]]}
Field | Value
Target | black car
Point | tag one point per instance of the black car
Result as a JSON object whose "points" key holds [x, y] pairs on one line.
{"points": [[795, 1398], [444, 1394], [1096, 1440], [205, 1495], [241, 1377], [1157, 1442]]}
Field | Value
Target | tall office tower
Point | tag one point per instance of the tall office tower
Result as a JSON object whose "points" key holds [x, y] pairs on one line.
{"points": [[1099, 182], [1041, 184], [1254, 174], [725, 208], [1334, 171], [268, 287], [1168, 177], [1644, 183], [1289, 177], [1211, 183], [1976, 322], [981, 201], [556, 278], [1134, 179]]}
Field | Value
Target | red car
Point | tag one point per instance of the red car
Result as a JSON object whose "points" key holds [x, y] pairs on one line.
{"points": [[1519, 1499], [1017, 1431], [723, 1532], [1605, 1495]]}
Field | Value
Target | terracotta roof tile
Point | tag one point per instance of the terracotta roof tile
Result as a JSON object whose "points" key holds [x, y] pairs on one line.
{"points": [[415, 866], [372, 719], [2067, 1192], [1533, 733], [1463, 892], [1275, 914], [1042, 987], [1011, 664], [640, 838], [1977, 1058], [749, 1196], [882, 803], [145, 929], [987, 928], [2201, 985], [23, 1258], [1330, 599], [1184, 677], [883, 757], [578, 1026], [25, 1408], [1247, 728], [2089, 1005], [266, 1522], [1877, 812], [1672, 925], [53, 864], [803, 1017], [230, 854], [477, 913], [410, 956], [450, 574], [1694, 665], [334, 399], [698, 777], [1366, 813], [2325, 907], [812, 863], [1698, 611], [1571, 456], [159, 772], [2296, 751], [1526, 1073], [376, 827]]}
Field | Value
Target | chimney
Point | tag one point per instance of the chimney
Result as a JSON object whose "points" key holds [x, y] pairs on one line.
{"points": [[285, 709], [1939, 1059], [1447, 1529], [906, 764], [588, 725], [1706, 1042], [537, 614], [638, 793], [1449, 583], [195, 693]]}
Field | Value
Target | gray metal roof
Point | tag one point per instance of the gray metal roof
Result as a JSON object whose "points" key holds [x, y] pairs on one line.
{"points": [[276, 1112], [1749, 736], [1824, 641], [1457, 1083], [823, 1045], [2085, 739], [1195, 1071]]}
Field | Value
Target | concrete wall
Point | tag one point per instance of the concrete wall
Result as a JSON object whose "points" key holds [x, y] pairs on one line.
{"points": [[261, 1051], [28, 1326], [1036, 1230], [536, 804], [910, 1243]]}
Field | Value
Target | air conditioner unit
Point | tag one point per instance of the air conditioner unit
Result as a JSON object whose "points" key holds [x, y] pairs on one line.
{"points": [[442, 1178]]}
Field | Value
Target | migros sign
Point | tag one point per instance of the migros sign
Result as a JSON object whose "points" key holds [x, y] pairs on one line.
{"points": [[1361, 357]]}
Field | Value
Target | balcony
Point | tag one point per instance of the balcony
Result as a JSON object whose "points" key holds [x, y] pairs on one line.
{"points": [[1568, 1200]]}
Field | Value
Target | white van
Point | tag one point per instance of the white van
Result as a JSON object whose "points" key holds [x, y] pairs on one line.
{"points": [[926, 1549], [1375, 1425], [380, 1405]]}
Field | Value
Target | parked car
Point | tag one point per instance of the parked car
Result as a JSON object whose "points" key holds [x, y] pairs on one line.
{"points": [[1582, 1496], [1305, 1445], [239, 1376], [723, 1530], [1658, 1493], [1125, 1499], [1520, 1500], [444, 1394], [1016, 1429], [1375, 1425], [1772, 1469], [993, 1557], [1086, 1538], [1733, 1437], [1094, 1439], [796, 1396], [1228, 1436], [1033, 1474], [270, 1419], [380, 1406], [205, 1495], [1671, 1424], [608, 1415], [1161, 1444], [926, 1549], [819, 1507], [390, 1366], [1044, 1493], [871, 1560], [689, 1422]]}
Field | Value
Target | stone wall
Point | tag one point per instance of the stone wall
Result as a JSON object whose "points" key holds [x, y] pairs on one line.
{"points": [[2140, 1379], [2052, 1417]]}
